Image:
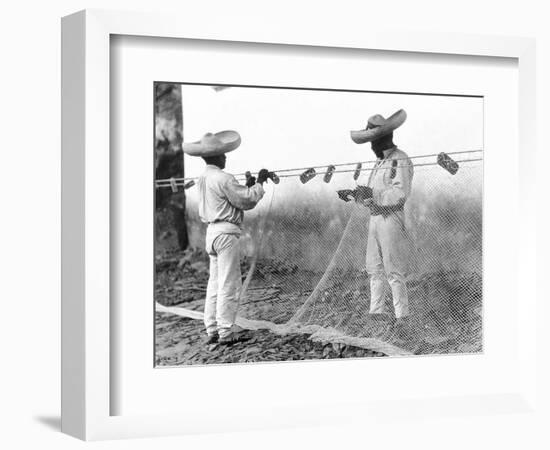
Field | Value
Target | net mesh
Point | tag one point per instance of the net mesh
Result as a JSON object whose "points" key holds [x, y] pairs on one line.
{"points": [[309, 247]]}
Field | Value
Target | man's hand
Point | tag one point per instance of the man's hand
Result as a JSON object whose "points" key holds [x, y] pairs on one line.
{"points": [[368, 202], [262, 176], [363, 193], [250, 181], [363, 196], [346, 194]]}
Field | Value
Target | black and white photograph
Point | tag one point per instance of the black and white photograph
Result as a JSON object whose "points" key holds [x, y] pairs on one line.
{"points": [[307, 224]]}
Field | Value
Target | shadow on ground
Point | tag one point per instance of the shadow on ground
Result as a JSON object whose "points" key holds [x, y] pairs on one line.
{"points": [[51, 422]]}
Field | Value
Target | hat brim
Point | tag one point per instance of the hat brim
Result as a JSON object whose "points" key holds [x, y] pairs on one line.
{"points": [[392, 123], [213, 145]]}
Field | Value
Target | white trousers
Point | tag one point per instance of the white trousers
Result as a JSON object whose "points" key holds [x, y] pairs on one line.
{"points": [[224, 283], [387, 258]]}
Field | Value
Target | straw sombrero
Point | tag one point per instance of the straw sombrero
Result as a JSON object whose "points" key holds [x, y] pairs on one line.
{"points": [[213, 144], [378, 127]]}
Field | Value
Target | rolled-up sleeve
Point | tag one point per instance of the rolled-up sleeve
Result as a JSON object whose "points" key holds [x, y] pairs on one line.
{"points": [[242, 197], [399, 187]]}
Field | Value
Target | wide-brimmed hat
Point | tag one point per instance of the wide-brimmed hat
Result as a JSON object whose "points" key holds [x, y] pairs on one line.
{"points": [[213, 144], [378, 127]]}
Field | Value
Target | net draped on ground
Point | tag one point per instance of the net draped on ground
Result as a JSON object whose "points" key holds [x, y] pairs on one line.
{"points": [[308, 251]]}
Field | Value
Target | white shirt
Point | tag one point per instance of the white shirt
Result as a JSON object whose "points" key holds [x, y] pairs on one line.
{"points": [[223, 199], [391, 178]]}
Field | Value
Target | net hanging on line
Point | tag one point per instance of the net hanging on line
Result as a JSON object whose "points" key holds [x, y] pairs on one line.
{"points": [[310, 268]]}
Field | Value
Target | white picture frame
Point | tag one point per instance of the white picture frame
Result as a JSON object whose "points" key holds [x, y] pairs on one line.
{"points": [[86, 386]]}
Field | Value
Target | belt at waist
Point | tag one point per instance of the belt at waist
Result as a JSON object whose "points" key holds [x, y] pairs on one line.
{"points": [[221, 221], [377, 210], [223, 227]]}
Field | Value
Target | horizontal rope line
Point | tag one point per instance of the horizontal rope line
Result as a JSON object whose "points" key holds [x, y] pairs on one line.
{"points": [[163, 183], [167, 180], [369, 162], [403, 165]]}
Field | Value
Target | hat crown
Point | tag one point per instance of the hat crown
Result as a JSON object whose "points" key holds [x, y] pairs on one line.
{"points": [[209, 139], [376, 121]]}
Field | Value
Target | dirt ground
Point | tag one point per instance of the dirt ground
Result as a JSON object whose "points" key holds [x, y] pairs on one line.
{"points": [[181, 280], [277, 291], [180, 341]]}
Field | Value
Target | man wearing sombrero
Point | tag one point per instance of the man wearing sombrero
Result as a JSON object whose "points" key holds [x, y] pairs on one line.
{"points": [[222, 202], [384, 191]]}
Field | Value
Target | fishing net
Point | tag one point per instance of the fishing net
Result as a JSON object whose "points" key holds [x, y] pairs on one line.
{"points": [[309, 251], [304, 261]]}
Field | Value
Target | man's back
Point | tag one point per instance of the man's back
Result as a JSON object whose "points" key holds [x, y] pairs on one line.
{"points": [[223, 199]]}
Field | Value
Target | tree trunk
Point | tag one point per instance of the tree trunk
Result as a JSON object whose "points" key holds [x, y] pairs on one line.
{"points": [[169, 155]]}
